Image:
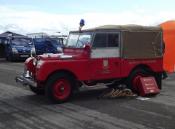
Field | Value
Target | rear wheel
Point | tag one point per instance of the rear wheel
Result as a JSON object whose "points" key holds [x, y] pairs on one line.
{"points": [[158, 77], [133, 80], [59, 87]]}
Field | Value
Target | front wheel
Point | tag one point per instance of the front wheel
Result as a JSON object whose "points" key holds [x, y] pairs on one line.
{"points": [[59, 87]]}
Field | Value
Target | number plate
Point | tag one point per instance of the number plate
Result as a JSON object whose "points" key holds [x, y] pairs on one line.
{"points": [[24, 55]]}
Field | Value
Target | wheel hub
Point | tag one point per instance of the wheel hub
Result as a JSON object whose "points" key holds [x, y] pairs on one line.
{"points": [[61, 89]]}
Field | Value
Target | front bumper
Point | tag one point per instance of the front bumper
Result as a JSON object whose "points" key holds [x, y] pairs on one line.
{"points": [[25, 80]]}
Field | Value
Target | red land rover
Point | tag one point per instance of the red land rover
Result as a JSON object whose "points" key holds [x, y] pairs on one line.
{"points": [[110, 54]]}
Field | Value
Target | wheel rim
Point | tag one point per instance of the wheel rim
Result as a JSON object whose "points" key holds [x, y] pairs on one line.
{"points": [[62, 89]]}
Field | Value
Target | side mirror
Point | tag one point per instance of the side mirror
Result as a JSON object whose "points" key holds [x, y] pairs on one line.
{"points": [[87, 48]]}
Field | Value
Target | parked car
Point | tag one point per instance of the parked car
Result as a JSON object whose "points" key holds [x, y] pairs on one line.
{"points": [[47, 45], [111, 55], [18, 48]]}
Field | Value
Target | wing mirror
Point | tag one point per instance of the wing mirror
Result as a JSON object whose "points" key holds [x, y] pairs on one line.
{"points": [[87, 48]]}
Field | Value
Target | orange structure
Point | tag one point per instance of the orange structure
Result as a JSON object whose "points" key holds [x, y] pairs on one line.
{"points": [[169, 39]]}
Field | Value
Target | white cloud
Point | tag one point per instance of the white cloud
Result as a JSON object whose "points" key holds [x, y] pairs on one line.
{"points": [[35, 21]]}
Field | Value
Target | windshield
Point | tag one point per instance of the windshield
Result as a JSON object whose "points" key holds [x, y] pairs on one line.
{"points": [[77, 40], [21, 42]]}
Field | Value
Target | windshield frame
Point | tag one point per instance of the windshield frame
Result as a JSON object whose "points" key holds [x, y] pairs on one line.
{"points": [[79, 35]]}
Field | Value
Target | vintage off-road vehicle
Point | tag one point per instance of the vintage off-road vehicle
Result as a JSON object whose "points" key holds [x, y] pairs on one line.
{"points": [[109, 54]]}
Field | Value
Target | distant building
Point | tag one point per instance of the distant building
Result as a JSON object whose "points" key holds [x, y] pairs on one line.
{"points": [[38, 35], [7, 33]]}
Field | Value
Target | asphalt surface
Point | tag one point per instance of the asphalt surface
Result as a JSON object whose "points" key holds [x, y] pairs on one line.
{"points": [[22, 109]]}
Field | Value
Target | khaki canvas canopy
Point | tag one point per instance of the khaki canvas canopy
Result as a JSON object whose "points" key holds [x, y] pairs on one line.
{"points": [[142, 44], [137, 42], [169, 39]]}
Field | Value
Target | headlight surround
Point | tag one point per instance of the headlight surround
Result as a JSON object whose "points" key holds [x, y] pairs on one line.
{"points": [[14, 50], [39, 63]]}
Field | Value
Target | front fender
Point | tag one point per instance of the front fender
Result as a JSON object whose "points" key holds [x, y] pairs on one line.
{"points": [[80, 69]]}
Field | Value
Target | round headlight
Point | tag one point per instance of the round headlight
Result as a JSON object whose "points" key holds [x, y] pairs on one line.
{"points": [[39, 63], [34, 61]]}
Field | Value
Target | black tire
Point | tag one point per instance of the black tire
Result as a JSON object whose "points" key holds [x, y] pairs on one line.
{"points": [[54, 91], [144, 73], [136, 72], [158, 77], [36, 90]]}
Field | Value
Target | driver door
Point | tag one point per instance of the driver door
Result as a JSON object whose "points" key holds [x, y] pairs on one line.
{"points": [[105, 56]]}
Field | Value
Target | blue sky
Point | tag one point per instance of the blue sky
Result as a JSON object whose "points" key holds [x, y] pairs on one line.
{"points": [[28, 16], [80, 6]]}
